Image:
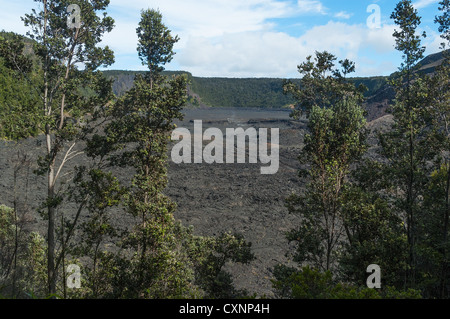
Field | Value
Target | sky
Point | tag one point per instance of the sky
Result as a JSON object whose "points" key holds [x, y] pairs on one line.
{"points": [[257, 38]]}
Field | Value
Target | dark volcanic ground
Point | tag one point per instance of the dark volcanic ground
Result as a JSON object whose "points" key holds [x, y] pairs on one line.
{"points": [[213, 198], [237, 198]]}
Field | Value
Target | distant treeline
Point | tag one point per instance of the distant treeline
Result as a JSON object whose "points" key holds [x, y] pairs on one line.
{"points": [[236, 92]]}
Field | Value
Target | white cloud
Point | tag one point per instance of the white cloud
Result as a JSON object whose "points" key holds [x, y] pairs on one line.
{"points": [[343, 15], [233, 38], [201, 18], [212, 17], [433, 42], [11, 13], [247, 54], [424, 3], [236, 38], [314, 6], [276, 54]]}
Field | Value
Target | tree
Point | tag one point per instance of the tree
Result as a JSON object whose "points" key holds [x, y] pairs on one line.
{"points": [[140, 130], [310, 283], [444, 21], [434, 222], [60, 48], [209, 256], [154, 256], [322, 85], [374, 231], [410, 145], [97, 192], [336, 140], [155, 47], [20, 115], [443, 111], [22, 258]]}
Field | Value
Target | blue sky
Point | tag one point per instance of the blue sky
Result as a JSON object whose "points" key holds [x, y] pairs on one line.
{"points": [[257, 38]]}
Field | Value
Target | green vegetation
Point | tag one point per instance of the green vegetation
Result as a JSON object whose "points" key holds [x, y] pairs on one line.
{"points": [[393, 212], [336, 140], [229, 92], [257, 93], [152, 257], [22, 257], [308, 283], [19, 101]]}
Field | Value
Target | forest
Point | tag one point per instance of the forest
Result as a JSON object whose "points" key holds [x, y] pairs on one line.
{"points": [[391, 211], [235, 92]]}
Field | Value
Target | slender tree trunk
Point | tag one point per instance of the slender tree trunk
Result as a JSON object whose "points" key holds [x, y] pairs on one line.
{"points": [[445, 235], [63, 258], [16, 230], [51, 233], [66, 77], [410, 182], [51, 274]]}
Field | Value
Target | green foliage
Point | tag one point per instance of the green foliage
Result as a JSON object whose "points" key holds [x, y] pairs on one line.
{"points": [[210, 255], [347, 222], [155, 257], [234, 92], [20, 116], [71, 99], [444, 20], [336, 140], [7, 239], [322, 84], [433, 242], [407, 41], [144, 117], [12, 50], [34, 280], [413, 143], [309, 283], [394, 214], [434, 222], [22, 258], [339, 134], [403, 200], [155, 45], [241, 93], [375, 236]]}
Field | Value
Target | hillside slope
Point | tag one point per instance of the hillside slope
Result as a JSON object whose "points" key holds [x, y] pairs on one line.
{"points": [[378, 102], [267, 93]]}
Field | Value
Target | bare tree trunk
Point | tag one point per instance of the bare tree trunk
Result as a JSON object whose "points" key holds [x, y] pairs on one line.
{"points": [[445, 234], [51, 232], [50, 174]]}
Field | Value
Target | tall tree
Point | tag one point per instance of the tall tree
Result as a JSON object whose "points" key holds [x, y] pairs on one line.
{"points": [[443, 103], [336, 140], [155, 46], [155, 256], [435, 238], [408, 146], [374, 231], [444, 22], [140, 131], [67, 35], [322, 85]]}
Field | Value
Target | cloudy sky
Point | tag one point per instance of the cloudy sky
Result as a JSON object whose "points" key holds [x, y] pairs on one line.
{"points": [[257, 38]]}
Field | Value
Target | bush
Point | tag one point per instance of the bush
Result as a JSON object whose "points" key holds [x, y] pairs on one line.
{"points": [[309, 283]]}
